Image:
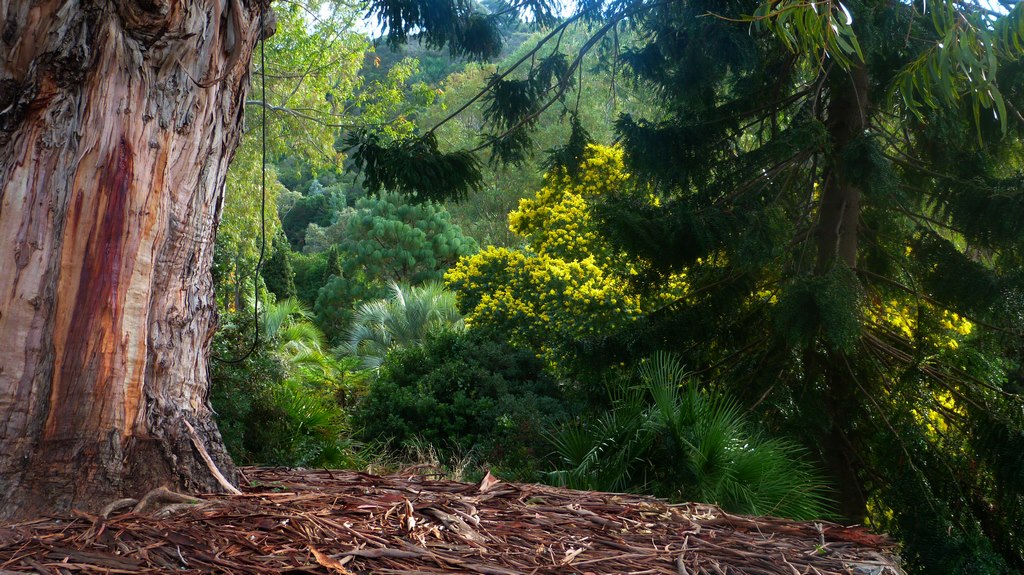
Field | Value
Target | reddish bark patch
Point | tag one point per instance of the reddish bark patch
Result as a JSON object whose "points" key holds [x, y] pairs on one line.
{"points": [[88, 366]]}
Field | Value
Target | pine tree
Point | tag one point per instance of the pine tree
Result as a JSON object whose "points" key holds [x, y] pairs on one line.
{"points": [[278, 273], [820, 200]]}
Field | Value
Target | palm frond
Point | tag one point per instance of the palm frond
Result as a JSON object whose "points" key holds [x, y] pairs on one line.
{"points": [[681, 442], [404, 319], [275, 315]]}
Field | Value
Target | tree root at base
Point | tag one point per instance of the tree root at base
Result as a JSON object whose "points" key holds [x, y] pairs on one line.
{"points": [[168, 501], [117, 506], [162, 495]]}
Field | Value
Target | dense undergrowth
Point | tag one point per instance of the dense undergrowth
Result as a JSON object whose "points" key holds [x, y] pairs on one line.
{"points": [[659, 315]]}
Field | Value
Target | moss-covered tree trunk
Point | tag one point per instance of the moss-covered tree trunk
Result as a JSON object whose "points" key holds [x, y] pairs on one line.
{"points": [[117, 123]]}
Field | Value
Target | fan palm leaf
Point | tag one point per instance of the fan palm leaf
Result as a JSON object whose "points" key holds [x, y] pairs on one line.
{"points": [[670, 437], [403, 319]]}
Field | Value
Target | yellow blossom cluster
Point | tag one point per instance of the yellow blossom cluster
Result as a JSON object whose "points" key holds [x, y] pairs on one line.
{"points": [[942, 331], [902, 317], [567, 283], [934, 417], [526, 293], [557, 221]]}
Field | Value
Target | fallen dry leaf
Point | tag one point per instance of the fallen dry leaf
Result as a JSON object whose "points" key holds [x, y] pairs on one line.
{"points": [[488, 482], [330, 562], [346, 523]]}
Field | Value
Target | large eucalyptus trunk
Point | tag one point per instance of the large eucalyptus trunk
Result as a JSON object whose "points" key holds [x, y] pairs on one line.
{"points": [[117, 122]]}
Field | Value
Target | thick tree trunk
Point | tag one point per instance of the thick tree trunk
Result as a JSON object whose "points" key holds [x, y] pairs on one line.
{"points": [[837, 239], [117, 123]]}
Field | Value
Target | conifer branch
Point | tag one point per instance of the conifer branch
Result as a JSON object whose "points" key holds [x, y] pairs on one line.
{"points": [[499, 77], [562, 85], [881, 412]]}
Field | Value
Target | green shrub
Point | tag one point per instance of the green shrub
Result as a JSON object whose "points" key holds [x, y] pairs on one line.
{"points": [[239, 390], [387, 238], [468, 392], [334, 301], [268, 410], [665, 437], [311, 273], [277, 272], [318, 208], [391, 238]]}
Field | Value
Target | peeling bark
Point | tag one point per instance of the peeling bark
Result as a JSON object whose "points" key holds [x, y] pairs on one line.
{"points": [[117, 124]]}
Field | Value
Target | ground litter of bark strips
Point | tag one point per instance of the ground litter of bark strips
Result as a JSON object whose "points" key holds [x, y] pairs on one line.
{"points": [[340, 522]]}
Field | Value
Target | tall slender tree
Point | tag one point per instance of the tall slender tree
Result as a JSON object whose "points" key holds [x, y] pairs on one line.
{"points": [[839, 181]]}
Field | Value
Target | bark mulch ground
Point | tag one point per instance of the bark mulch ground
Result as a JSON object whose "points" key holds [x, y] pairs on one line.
{"points": [[293, 521]]}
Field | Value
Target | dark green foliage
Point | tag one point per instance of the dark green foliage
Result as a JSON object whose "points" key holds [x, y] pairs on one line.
{"points": [[334, 303], [865, 159], [935, 539], [998, 439], [238, 390], [333, 267], [406, 318], [439, 23], [277, 272], [480, 37], [664, 436], [466, 28], [570, 155], [435, 66], [294, 173], [267, 418], [415, 167], [944, 530], [468, 391], [388, 238], [513, 106], [957, 277], [312, 271], [825, 307], [317, 209]]}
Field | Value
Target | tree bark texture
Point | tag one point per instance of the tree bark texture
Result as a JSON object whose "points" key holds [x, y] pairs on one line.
{"points": [[838, 241], [839, 210], [117, 123]]}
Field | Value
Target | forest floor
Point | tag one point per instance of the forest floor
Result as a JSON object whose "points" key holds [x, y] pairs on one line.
{"points": [[342, 522]]}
